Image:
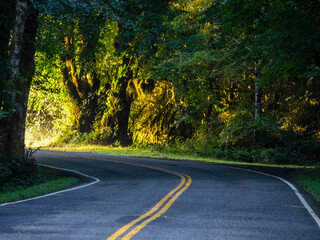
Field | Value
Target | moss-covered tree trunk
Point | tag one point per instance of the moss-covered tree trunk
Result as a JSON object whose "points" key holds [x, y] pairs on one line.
{"points": [[82, 86]]}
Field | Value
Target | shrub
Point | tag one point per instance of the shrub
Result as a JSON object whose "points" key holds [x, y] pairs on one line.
{"points": [[17, 172], [244, 132]]}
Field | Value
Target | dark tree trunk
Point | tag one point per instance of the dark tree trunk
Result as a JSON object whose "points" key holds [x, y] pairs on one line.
{"points": [[118, 121], [22, 65], [121, 116], [6, 21], [7, 14]]}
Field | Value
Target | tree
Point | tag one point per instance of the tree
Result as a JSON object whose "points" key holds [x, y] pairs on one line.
{"points": [[187, 58], [6, 21], [18, 81], [71, 34], [80, 78], [138, 24]]}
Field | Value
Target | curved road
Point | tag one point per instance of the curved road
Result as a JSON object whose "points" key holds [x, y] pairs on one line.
{"points": [[140, 198]]}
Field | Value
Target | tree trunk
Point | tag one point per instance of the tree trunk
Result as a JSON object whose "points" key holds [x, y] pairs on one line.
{"points": [[22, 65], [6, 20], [17, 43], [81, 87], [7, 14], [118, 121], [123, 112], [83, 108]]}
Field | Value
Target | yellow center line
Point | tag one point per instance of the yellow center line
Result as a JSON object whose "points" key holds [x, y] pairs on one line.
{"points": [[158, 214], [155, 208], [175, 193]]}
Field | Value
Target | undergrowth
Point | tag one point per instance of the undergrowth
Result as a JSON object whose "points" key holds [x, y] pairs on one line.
{"points": [[309, 179], [18, 172], [295, 153]]}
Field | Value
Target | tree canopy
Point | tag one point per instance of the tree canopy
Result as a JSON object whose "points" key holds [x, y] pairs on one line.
{"points": [[239, 78]]}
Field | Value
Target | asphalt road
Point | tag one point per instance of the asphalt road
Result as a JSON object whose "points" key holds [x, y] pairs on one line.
{"points": [[140, 198]]}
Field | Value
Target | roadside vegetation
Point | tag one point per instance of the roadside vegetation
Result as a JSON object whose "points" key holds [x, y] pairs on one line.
{"points": [[212, 79], [309, 180], [307, 177], [44, 181]]}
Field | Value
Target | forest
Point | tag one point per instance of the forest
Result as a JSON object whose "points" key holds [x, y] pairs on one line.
{"points": [[230, 79]]}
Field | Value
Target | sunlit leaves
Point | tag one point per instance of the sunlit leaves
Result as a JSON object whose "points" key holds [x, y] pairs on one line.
{"points": [[206, 50], [49, 109]]}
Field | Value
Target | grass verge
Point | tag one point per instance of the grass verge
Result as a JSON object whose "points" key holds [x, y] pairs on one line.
{"points": [[122, 151], [307, 177], [49, 180]]}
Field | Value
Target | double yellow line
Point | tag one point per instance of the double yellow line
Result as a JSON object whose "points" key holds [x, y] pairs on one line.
{"points": [[164, 204], [157, 210]]}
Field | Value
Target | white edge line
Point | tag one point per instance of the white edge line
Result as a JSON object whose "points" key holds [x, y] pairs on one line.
{"points": [[301, 198], [96, 180]]}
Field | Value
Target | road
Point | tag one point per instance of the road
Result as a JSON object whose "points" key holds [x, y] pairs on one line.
{"points": [[140, 198]]}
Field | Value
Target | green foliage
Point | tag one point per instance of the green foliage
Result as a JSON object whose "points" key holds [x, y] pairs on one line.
{"points": [[309, 179], [296, 153], [184, 73], [139, 22], [17, 172], [259, 31], [297, 150], [153, 113], [49, 110], [244, 132], [187, 60]]}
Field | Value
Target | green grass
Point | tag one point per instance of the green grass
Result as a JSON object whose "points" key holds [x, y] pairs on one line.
{"points": [[309, 179], [48, 186]]}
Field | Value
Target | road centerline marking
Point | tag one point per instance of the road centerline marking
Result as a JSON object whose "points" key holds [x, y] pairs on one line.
{"points": [[158, 214], [147, 214], [173, 195]]}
